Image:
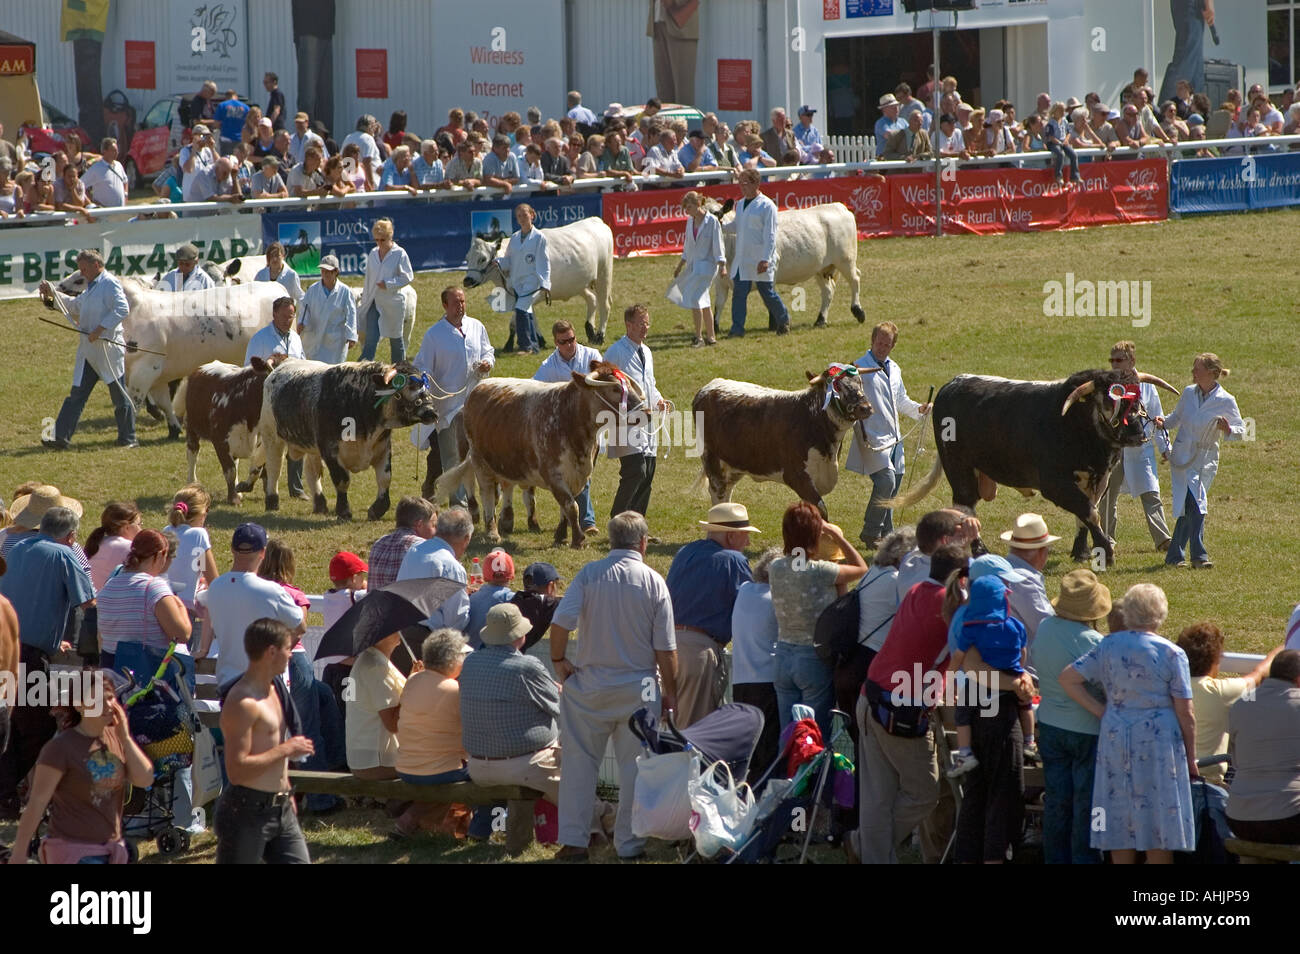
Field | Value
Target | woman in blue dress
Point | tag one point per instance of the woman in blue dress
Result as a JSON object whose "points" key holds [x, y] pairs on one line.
{"points": [[1146, 754]]}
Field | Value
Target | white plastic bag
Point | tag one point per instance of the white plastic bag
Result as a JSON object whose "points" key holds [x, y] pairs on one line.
{"points": [[722, 814], [661, 804]]}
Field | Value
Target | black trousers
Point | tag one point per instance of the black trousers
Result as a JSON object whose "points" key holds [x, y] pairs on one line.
{"points": [[251, 828], [635, 472], [993, 797], [30, 727], [761, 695], [1275, 831]]}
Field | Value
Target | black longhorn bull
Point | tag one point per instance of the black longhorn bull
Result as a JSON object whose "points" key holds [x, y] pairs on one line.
{"points": [[1061, 438]]}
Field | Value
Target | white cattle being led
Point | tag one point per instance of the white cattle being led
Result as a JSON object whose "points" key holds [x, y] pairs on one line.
{"points": [[581, 256]]}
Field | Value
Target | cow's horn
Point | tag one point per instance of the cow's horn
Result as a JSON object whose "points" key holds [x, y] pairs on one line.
{"points": [[1157, 381], [596, 382], [1082, 391]]}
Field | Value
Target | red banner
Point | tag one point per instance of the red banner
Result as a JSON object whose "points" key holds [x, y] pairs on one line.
{"points": [[140, 65], [372, 74], [736, 85], [17, 59], [830, 9], [979, 201], [992, 201]]}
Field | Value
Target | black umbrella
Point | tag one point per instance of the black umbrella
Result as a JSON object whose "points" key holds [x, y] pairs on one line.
{"points": [[385, 612]]}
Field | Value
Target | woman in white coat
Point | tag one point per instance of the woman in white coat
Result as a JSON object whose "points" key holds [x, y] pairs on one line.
{"points": [[388, 268], [529, 272], [1204, 411], [703, 259]]}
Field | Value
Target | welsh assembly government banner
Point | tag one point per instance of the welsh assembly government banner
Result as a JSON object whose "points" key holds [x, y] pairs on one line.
{"points": [[1235, 183], [30, 255], [435, 235]]}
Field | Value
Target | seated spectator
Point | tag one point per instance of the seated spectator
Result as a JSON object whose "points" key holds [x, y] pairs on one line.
{"points": [[264, 143], [589, 161], [1264, 742], [695, 155], [1249, 127], [368, 157], [337, 183], [538, 600], [498, 574], [753, 156], [662, 159], [439, 558], [911, 143], [1221, 120], [615, 162], [1031, 135], [70, 194], [555, 164], [808, 136], [723, 149], [1055, 136], [825, 158], [1269, 114], [38, 195], [307, 179], [266, 183], [1080, 134], [949, 139], [997, 139], [1013, 126], [581, 162], [396, 174], [352, 168], [11, 193], [1174, 127], [973, 131], [372, 708], [415, 517], [533, 174], [427, 171], [523, 138], [1213, 695], [500, 167], [1102, 129], [1292, 120], [466, 170]]}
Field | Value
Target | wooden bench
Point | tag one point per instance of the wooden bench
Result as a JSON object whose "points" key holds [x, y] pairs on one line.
{"points": [[519, 800], [1261, 853]]}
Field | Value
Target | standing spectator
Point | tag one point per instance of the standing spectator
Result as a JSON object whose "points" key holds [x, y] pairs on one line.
{"points": [[1204, 411], [368, 156], [202, 107], [243, 169], [455, 127], [439, 558], [753, 659], [1263, 804], [109, 543], [878, 600], [498, 574], [779, 138], [276, 271], [808, 136], [274, 100], [44, 583], [703, 258], [1135, 473], [1067, 732], [636, 457], [755, 225], [1191, 17], [583, 163], [313, 40], [949, 140], [328, 321], [196, 162], [415, 518], [185, 521], [396, 134], [388, 269], [1146, 753], [229, 114], [555, 164], [238, 598], [303, 137], [335, 179], [456, 353], [724, 150], [577, 112], [264, 143], [137, 606], [1028, 549], [703, 581], [528, 266], [889, 122], [70, 193], [101, 355], [104, 181], [569, 358], [624, 615], [803, 585], [754, 155]]}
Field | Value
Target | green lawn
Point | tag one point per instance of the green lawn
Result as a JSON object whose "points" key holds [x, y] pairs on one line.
{"points": [[969, 304]]}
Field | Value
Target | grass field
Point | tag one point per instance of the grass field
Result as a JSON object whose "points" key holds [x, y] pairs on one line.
{"points": [[966, 304]]}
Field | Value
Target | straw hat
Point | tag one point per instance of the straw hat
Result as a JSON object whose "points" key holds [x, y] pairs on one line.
{"points": [[888, 100], [1030, 533], [729, 518], [1083, 597], [28, 510]]}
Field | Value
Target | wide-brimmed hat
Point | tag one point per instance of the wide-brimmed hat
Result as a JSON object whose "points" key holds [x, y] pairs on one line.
{"points": [[888, 100], [1083, 597], [504, 625], [28, 510], [729, 518], [1030, 533]]}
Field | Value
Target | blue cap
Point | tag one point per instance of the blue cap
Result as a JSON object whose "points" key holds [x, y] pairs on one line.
{"points": [[248, 538], [1196, 119], [988, 600], [993, 565], [537, 575], [807, 110]]}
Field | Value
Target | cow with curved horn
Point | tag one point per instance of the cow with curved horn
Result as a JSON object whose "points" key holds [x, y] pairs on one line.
{"points": [[1061, 438], [540, 434], [791, 436]]}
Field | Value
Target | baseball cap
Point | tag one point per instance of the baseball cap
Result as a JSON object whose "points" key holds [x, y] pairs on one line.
{"points": [[345, 564], [200, 130], [498, 567], [330, 261], [187, 253], [264, 122], [537, 575], [248, 538], [807, 111]]}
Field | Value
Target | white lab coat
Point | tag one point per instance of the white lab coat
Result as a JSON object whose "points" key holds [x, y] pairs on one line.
{"points": [[104, 306], [701, 254], [287, 277], [329, 321], [1140, 475], [1194, 459], [175, 281], [448, 356], [755, 228], [395, 271], [882, 430], [638, 364], [528, 266]]}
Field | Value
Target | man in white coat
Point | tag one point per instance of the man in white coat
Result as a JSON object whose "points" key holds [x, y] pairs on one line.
{"points": [[1135, 473], [97, 313], [877, 448], [1205, 410], [529, 268], [567, 358], [328, 322], [279, 338], [186, 276], [456, 354], [636, 448], [753, 263]]}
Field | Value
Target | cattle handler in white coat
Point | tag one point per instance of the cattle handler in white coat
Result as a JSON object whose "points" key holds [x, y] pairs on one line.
{"points": [[877, 448], [98, 313], [1204, 411], [279, 338], [753, 262], [529, 270], [567, 358], [388, 268], [328, 318], [1135, 474], [703, 260], [186, 276]]}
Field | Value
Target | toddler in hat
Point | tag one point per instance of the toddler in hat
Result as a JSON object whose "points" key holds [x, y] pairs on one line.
{"points": [[348, 578], [498, 574]]}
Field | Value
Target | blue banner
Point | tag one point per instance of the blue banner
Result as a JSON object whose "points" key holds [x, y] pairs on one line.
{"points": [[868, 8], [434, 234], [1265, 180]]}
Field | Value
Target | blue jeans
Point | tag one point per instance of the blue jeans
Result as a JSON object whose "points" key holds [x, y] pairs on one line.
{"points": [[321, 722], [70, 413], [480, 826], [1188, 60], [585, 509], [525, 331], [778, 317], [1190, 529], [397, 345], [1060, 151], [879, 520], [802, 677], [1069, 763]]}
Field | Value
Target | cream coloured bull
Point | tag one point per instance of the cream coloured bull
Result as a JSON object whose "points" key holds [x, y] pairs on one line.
{"points": [[816, 243], [581, 256]]}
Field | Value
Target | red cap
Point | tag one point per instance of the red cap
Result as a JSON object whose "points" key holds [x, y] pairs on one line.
{"points": [[345, 564], [499, 567]]}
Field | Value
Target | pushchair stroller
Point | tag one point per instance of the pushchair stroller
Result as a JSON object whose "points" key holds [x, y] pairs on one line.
{"points": [[728, 734]]}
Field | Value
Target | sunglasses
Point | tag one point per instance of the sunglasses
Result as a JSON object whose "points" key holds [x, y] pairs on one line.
{"points": [[566, 341]]}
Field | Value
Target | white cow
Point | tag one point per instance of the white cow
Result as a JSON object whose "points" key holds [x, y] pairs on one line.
{"points": [[581, 257], [810, 243]]}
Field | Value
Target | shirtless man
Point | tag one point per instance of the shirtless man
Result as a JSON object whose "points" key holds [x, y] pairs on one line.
{"points": [[256, 819]]}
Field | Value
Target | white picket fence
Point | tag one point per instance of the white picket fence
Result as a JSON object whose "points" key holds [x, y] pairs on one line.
{"points": [[852, 148]]}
